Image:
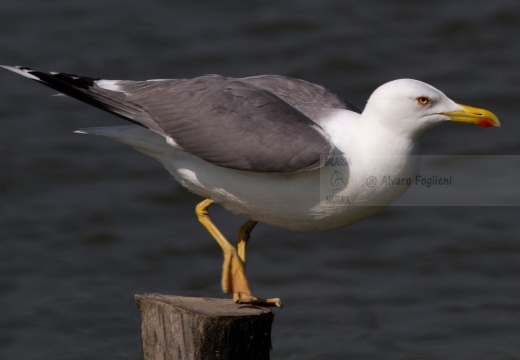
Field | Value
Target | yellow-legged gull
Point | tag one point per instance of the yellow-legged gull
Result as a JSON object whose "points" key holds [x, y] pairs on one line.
{"points": [[260, 146]]}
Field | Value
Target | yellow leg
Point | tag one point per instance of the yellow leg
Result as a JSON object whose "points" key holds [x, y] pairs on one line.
{"points": [[243, 237], [233, 269], [233, 277]]}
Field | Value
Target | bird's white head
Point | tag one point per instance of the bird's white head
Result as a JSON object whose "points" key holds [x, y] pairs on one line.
{"points": [[410, 107]]}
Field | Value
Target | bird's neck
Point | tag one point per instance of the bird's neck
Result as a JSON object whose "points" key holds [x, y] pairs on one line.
{"points": [[381, 140]]}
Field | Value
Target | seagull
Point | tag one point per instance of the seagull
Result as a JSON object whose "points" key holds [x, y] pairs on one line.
{"points": [[272, 149]]}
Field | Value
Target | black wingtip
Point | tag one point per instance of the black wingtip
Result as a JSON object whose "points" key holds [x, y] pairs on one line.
{"points": [[82, 88], [71, 85], [22, 70], [52, 78]]}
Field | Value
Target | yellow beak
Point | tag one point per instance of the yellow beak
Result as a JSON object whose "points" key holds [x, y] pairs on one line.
{"points": [[473, 115]]}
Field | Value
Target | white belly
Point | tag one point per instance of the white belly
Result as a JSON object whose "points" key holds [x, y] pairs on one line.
{"points": [[297, 201]]}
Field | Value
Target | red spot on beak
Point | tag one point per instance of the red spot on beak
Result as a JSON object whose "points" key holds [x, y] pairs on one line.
{"points": [[485, 123]]}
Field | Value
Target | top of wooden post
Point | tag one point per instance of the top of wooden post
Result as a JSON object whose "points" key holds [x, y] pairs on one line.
{"points": [[206, 306]]}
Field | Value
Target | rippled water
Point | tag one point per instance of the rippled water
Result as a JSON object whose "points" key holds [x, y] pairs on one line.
{"points": [[85, 223]]}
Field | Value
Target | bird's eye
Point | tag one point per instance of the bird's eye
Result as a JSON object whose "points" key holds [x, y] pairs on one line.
{"points": [[423, 100]]}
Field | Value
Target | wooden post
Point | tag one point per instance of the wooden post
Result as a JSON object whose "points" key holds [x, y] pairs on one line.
{"points": [[185, 328]]}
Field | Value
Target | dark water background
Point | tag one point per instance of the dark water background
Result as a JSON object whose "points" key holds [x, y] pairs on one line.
{"points": [[85, 223]]}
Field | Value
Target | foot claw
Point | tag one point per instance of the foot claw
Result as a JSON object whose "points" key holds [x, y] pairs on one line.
{"points": [[241, 298]]}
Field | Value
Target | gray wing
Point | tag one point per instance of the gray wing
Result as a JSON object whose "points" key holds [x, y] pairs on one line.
{"points": [[299, 93], [236, 123]]}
